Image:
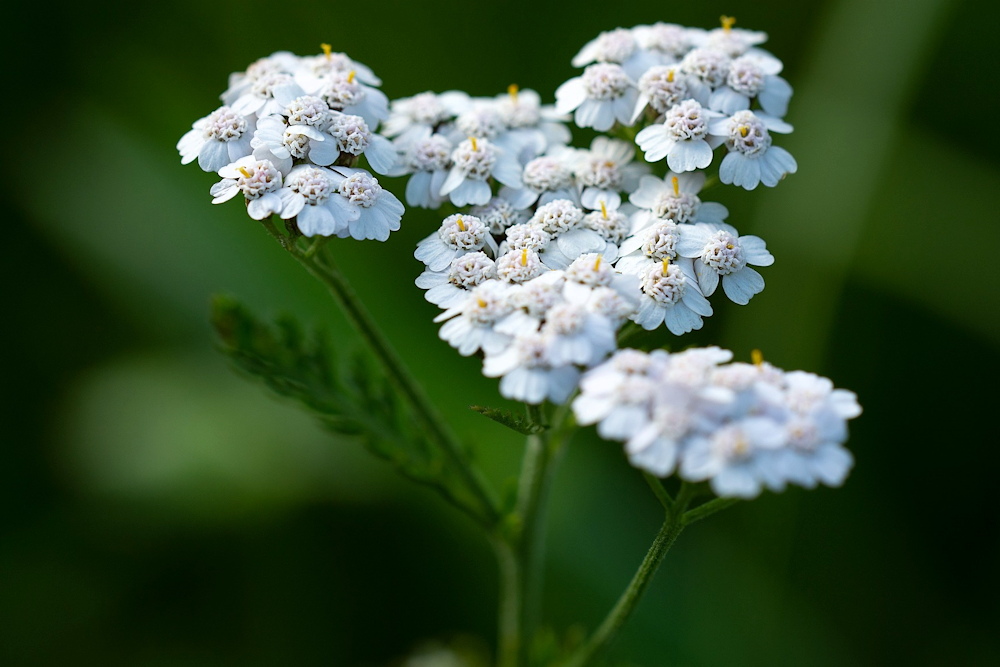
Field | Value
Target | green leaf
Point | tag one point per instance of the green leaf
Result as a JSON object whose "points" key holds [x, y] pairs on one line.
{"points": [[509, 419], [341, 388]]}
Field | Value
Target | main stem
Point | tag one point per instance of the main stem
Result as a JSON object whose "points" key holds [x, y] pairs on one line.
{"points": [[322, 267], [521, 555]]}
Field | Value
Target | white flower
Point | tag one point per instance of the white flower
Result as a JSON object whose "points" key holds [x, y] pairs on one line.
{"points": [[577, 335], [241, 82], [680, 138], [263, 98], [258, 180], [499, 214], [378, 210], [518, 266], [418, 116], [527, 374], [344, 92], [449, 288], [616, 46], [429, 158], [747, 80], [719, 251], [474, 162], [675, 197], [470, 323], [558, 216], [752, 159], [602, 95], [605, 169], [459, 234], [736, 458], [648, 246], [667, 40], [710, 66], [311, 196], [218, 139], [282, 144], [544, 178], [313, 71], [665, 86], [670, 295], [352, 136]]}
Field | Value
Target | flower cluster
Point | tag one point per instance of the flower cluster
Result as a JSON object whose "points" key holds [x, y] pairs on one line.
{"points": [[289, 136], [742, 427], [695, 90]]}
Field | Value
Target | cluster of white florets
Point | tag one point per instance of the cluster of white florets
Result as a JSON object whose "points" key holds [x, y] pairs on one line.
{"points": [[742, 427], [689, 91], [541, 206], [288, 138], [455, 147]]}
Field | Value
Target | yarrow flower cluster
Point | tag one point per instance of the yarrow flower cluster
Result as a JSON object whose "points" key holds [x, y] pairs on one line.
{"points": [[741, 427], [289, 136]]}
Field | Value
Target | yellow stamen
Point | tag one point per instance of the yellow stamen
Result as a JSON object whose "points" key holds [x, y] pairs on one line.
{"points": [[670, 76], [677, 186], [475, 146], [604, 210], [524, 256], [757, 357], [744, 131], [350, 76], [461, 225], [482, 304], [512, 91], [327, 50], [246, 172], [597, 264], [666, 265], [729, 246], [727, 22]]}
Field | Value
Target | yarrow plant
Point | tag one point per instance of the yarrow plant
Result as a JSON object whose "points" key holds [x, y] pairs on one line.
{"points": [[547, 259]]}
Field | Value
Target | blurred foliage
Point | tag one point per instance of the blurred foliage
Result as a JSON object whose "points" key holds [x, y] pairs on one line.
{"points": [[161, 511]]}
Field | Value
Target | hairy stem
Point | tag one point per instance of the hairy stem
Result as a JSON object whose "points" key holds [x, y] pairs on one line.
{"points": [[322, 267]]}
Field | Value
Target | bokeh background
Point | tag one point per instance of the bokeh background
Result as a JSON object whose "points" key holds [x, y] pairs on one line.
{"points": [[159, 509]]}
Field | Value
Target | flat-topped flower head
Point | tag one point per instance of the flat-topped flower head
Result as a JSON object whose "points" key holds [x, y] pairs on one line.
{"points": [[669, 40], [752, 159], [558, 216], [680, 138], [720, 252], [665, 86], [710, 66], [344, 92], [499, 214], [483, 122], [459, 234], [518, 266], [218, 139], [474, 162], [526, 371], [670, 295], [675, 197], [602, 95], [312, 197], [612, 225], [449, 289], [527, 235], [258, 180], [307, 110], [350, 133], [649, 246], [591, 270], [470, 325]]}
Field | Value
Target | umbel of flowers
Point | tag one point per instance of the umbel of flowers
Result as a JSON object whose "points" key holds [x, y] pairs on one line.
{"points": [[544, 252]]}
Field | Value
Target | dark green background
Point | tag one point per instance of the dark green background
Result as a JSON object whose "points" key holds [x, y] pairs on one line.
{"points": [[160, 510]]}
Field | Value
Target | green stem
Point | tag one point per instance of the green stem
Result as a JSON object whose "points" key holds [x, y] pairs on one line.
{"points": [[521, 581], [672, 526], [509, 638], [661, 494], [708, 509], [322, 267]]}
